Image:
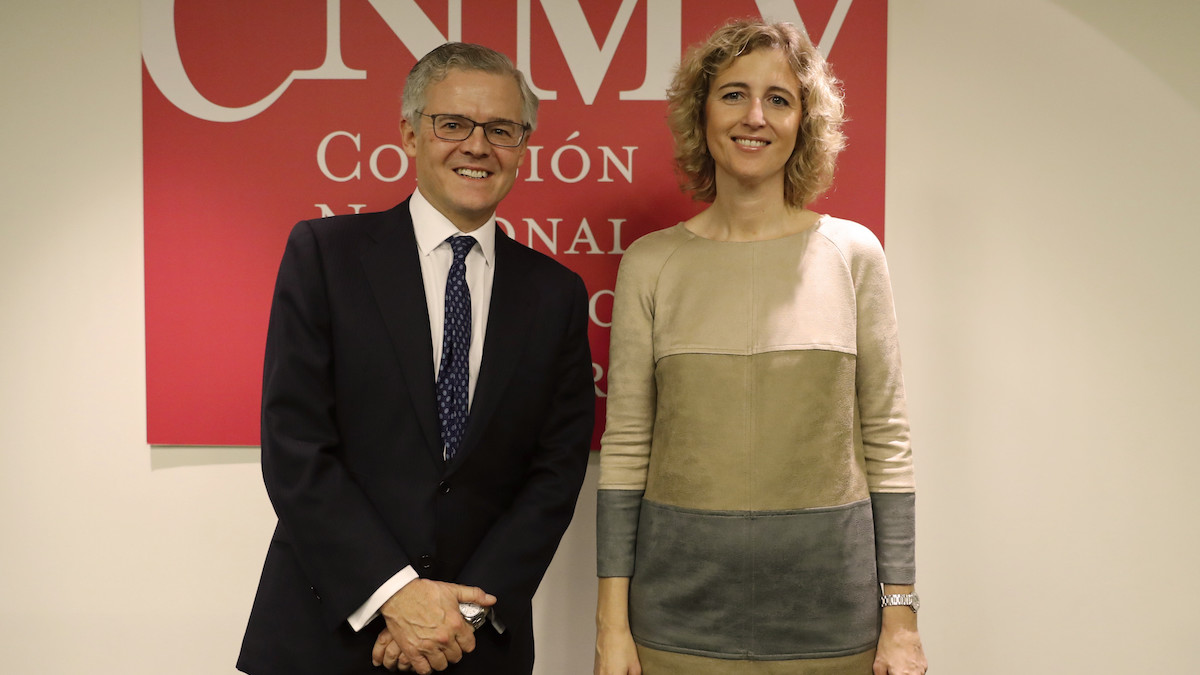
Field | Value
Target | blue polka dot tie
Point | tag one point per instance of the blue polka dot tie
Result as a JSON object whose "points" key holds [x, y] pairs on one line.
{"points": [[453, 373]]}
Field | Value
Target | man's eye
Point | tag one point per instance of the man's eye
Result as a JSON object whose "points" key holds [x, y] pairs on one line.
{"points": [[450, 126], [501, 132]]}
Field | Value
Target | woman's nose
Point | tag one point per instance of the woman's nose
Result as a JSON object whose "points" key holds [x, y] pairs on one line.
{"points": [[754, 114]]}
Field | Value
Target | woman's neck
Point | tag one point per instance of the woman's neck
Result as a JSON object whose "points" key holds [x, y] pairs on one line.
{"points": [[751, 215]]}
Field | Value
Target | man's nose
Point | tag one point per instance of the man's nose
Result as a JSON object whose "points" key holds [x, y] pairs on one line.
{"points": [[476, 142]]}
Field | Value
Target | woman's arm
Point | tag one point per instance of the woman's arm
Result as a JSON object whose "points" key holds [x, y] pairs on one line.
{"points": [[625, 454], [888, 454]]}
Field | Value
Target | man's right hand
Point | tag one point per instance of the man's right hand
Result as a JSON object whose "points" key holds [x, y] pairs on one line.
{"points": [[425, 623]]}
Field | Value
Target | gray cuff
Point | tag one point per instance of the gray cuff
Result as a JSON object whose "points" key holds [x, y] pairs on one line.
{"points": [[894, 514], [617, 513]]}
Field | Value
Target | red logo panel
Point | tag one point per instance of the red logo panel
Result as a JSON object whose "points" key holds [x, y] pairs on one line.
{"points": [[256, 116]]}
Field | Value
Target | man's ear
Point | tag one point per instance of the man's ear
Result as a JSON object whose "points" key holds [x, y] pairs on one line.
{"points": [[408, 137]]}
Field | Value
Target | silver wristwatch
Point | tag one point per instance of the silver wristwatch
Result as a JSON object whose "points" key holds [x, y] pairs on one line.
{"points": [[473, 614], [909, 600]]}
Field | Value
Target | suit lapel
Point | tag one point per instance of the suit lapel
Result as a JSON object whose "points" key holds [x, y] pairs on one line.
{"points": [[394, 272], [509, 318]]}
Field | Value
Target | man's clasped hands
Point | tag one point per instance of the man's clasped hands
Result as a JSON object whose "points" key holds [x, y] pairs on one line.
{"points": [[425, 630]]}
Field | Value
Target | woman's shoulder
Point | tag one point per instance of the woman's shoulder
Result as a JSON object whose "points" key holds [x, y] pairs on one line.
{"points": [[846, 231], [659, 244], [851, 238], [647, 255]]}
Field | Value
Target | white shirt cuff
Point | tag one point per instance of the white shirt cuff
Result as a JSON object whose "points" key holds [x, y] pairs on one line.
{"points": [[367, 612]]}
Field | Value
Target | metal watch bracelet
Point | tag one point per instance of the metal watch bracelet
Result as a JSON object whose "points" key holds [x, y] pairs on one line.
{"points": [[910, 600]]}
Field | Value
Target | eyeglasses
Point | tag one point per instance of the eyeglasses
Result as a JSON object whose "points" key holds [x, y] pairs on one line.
{"points": [[500, 133]]}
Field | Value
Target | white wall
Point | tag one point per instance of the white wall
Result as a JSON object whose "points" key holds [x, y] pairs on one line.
{"points": [[1043, 188], [1043, 174]]}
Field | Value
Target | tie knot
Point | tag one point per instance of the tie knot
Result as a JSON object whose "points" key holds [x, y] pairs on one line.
{"points": [[462, 246]]}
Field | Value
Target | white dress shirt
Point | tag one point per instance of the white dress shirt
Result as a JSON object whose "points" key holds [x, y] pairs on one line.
{"points": [[432, 230]]}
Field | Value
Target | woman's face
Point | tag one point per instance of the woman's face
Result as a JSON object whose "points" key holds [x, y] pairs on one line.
{"points": [[753, 115]]}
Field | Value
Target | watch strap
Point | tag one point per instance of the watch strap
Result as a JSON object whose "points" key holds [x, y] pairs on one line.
{"points": [[910, 600]]}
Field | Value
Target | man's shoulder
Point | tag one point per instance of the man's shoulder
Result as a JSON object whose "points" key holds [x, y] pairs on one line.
{"points": [[534, 262], [355, 223], [351, 235]]}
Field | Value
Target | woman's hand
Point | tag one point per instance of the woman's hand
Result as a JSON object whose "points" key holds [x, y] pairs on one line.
{"points": [[899, 651], [615, 651]]}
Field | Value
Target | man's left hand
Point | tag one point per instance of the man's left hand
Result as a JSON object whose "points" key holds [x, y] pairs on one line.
{"points": [[387, 653]]}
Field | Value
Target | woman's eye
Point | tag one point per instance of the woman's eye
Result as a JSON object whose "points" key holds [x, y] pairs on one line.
{"points": [[780, 101], [732, 96]]}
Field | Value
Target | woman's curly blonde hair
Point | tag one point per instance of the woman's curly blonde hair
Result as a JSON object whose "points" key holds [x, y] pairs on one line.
{"points": [[809, 171]]}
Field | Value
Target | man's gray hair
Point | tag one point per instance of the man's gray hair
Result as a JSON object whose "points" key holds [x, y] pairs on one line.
{"points": [[434, 66]]}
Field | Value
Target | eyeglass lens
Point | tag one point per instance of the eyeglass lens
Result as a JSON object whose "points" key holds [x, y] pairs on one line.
{"points": [[457, 128]]}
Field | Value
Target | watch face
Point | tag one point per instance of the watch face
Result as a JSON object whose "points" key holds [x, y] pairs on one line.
{"points": [[474, 614]]}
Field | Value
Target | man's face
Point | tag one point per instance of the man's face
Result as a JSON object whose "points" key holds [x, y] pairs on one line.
{"points": [[465, 180]]}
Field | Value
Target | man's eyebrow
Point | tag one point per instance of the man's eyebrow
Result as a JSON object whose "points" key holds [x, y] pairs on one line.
{"points": [[505, 119], [495, 119]]}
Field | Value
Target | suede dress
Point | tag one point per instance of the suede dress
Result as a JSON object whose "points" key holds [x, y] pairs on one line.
{"points": [[756, 478]]}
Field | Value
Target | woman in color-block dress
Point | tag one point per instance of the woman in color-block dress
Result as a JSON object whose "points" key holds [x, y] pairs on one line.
{"points": [[756, 502]]}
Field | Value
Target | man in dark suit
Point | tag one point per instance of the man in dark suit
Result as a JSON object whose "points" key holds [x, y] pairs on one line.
{"points": [[427, 407]]}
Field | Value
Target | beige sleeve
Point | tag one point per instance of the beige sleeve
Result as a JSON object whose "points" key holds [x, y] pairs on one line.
{"points": [[632, 393], [881, 404], [882, 410], [632, 399]]}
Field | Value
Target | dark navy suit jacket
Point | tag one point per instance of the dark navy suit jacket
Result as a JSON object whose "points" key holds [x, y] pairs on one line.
{"points": [[352, 455]]}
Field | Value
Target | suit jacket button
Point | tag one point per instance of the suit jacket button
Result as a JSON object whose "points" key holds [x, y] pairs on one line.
{"points": [[426, 562], [444, 487]]}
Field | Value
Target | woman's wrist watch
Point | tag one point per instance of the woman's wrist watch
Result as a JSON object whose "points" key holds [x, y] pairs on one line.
{"points": [[473, 614], [910, 600]]}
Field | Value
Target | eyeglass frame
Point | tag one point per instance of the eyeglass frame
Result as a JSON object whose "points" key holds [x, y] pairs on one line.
{"points": [[433, 118]]}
